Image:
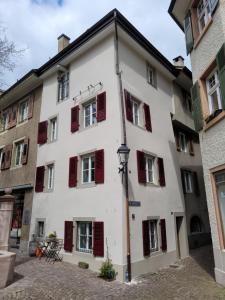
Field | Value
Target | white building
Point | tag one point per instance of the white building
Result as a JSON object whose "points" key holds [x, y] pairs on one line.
{"points": [[79, 193]]}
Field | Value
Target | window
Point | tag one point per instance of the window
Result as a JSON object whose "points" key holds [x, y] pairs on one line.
{"points": [[188, 103], [23, 111], [195, 225], [88, 169], [203, 14], [1, 155], [40, 228], [149, 169], [53, 129], [5, 120], [151, 75], [135, 111], [90, 114], [153, 233], [213, 90], [18, 153], [63, 86], [50, 174], [84, 237], [182, 142], [188, 182]]}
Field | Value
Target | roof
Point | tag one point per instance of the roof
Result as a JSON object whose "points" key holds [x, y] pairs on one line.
{"points": [[112, 16], [170, 11]]}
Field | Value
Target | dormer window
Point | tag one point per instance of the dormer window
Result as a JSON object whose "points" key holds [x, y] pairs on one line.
{"points": [[63, 86]]}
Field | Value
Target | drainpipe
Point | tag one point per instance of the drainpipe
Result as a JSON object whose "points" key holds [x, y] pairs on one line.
{"points": [[118, 73]]}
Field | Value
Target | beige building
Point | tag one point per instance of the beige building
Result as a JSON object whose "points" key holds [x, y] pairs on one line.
{"points": [[20, 111], [203, 22]]}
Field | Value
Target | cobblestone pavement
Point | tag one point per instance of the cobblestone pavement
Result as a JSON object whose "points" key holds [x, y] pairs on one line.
{"points": [[40, 280]]}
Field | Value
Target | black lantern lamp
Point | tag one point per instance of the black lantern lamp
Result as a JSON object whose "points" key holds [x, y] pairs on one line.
{"points": [[123, 153]]}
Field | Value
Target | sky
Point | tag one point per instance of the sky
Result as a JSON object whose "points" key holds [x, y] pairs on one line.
{"points": [[34, 25]]}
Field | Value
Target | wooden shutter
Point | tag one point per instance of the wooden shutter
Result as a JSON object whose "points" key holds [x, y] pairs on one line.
{"points": [[141, 167], [188, 33], [183, 181], [42, 132], [213, 5], [30, 106], [195, 183], [75, 118], [128, 106], [146, 238], [99, 166], [13, 115], [40, 175], [191, 146], [148, 124], [25, 151], [177, 138], [9, 110], [73, 171], [68, 236], [220, 58], [8, 156], [163, 235], [98, 245], [162, 181], [101, 107], [196, 104]]}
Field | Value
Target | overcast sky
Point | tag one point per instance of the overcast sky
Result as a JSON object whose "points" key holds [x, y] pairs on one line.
{"points": [[35, 25]]}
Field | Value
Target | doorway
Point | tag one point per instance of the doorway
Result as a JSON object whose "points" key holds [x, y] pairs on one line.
{"points": [[179, 221]]}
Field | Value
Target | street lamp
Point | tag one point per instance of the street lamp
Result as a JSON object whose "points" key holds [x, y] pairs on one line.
{"points": [[123, 153]]}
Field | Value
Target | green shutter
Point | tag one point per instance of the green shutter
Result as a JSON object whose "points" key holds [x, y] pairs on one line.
{"points": [[188, 33], [197, 109], [220, 59]]}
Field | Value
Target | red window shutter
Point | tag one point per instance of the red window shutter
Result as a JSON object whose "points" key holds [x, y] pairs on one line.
{"points": [[163, 235], [98, 245], [25, 151], [141, 167], [8, 156], [148, 124], [195, 182], [146, 238], [162, 181], [75, 118], [68, 236], [99, 166], [30, 106], [191, 147], [42, 132], [128, 106], [101, 107], [10, 117], [73, 171], [40, 175]]}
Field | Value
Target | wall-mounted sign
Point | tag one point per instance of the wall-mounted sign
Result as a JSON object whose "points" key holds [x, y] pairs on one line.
{"points": [[135, 203]]}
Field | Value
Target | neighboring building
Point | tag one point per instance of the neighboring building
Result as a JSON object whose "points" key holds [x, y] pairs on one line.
{"points": [[204, 26], [189, 158], [20, 112], [79, 193]]}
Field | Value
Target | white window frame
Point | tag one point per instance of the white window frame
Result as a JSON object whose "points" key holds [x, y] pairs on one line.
{"points": [[63, 86], [23, 117], [5, 120], [212, 90], [88, 235], [53, 131], [204, 12], [147, 159], [19, 143], [154, 223], [50, 176], [135, 111], [90, 158], [151, 75], [188, 182], [182, 142], [93, 115]]}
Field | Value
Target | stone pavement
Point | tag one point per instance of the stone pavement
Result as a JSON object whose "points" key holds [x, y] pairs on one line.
{"points": [[40, 280]]}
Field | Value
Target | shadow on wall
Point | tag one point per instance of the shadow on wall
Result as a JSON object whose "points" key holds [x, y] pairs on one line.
{"points": [[204, 258]]}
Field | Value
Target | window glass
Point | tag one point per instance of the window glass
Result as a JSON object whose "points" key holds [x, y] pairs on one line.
{"points": [[203, 13], [151, 75], [84, 236], [135, 111], [50, 170], [88, 169], [23, 111], [90, 114], [182, 142], [213, 90], [40, 228], [5, 120], [153, 232], [188, 182], [220, 184], [53, 129], [18, 153], [150, 169], [63, 86]]}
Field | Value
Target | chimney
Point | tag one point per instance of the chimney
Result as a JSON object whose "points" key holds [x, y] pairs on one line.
{"points": [[178, 61], [63, 42]]}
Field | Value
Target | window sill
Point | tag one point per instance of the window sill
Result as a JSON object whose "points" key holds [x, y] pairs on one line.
{"points": [[48, 191], [62, 100], [16, 167], [214, 121], [203, 33], [81, 129], [81, 253], [150, 184], [21, 123], [139, 126], [86, 185]]}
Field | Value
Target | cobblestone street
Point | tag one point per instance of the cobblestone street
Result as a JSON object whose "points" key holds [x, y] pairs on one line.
{"points": [[40, 280]]}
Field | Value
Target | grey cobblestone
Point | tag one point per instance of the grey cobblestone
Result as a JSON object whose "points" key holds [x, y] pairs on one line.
{"points": [[37, 279]]}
